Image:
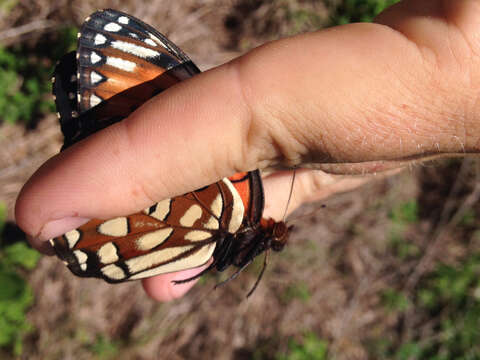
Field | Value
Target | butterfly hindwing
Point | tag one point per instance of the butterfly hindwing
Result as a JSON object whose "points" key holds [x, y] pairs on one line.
{"points": [[172, 235]]}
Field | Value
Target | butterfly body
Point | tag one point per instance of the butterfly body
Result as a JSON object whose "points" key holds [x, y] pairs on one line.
{"points": [[121, 63]]}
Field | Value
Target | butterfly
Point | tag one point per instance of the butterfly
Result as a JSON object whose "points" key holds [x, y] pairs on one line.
{"points": [[120, 63]]}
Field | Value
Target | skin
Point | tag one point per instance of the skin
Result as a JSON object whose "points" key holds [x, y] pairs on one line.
{"points": [[355, 99]]}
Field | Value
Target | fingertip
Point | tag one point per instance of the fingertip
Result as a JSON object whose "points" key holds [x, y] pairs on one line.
{"points": [[161, 288], [51, 230]]}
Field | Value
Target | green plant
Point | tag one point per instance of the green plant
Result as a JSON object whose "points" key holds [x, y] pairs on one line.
{"points": [[394, 301], [105, 348], [405, 213], [401, 217], [448, 301], [296, 291], [16, 296], [350, 11], [311, 348], [25, 73], [3, 216], [302, 19], [469, 218]]}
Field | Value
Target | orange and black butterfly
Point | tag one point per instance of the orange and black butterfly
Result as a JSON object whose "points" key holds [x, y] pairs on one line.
{"points": [[119, 64]]}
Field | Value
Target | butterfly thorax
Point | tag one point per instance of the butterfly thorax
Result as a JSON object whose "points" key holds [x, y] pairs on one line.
{"points": [[241, 248]]}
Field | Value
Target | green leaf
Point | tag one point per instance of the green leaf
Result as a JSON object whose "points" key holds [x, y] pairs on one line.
{"points": [[21, 254]]}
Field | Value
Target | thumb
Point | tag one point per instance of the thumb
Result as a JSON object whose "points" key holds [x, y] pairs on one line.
{"points": [[193, 134], [177, 142]]}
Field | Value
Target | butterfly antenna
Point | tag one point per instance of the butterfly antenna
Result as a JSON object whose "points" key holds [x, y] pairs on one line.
{"points": [[290, 194], [304, 216]]}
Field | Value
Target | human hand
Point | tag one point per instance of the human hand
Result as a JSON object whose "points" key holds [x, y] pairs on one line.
{"points": [[360, 98]]}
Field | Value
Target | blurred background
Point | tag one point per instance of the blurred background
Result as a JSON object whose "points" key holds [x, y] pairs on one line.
{"points": [[387, 271]]}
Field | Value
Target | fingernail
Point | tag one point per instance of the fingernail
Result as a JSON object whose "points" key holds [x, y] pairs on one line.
{"points": [[53, 229], [59, 227]]}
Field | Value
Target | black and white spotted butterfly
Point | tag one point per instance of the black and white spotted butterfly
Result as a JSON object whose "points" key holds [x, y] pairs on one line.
{"points": [[119, 64]]}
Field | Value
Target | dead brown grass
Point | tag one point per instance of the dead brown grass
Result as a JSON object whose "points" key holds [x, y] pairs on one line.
{"points": [[330, 278]]}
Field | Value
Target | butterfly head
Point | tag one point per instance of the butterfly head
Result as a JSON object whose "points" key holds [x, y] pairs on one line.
{"points": [[277, 232]]}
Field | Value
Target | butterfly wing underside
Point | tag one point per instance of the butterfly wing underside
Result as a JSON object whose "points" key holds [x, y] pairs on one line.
{"points": [[172, 235], [120, 63]]}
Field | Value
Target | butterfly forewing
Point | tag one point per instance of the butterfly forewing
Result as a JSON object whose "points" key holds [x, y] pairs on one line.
{"points": [[117, 52], [119, 59]]}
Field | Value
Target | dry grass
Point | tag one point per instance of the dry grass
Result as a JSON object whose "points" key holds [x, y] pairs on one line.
{"points": [[330, 278]]}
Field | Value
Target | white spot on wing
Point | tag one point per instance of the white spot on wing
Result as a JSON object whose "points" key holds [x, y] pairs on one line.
{"points": [[212, 223], [193, 213], [95, 77], [123, 20], [188, 262], [157, 40], [197, 235], [154, 258], [72, 238], [113, 272], [153, 239], [114, 227], [162, 209], [121, 64], [94, 57], [134, 49], [81, 259], [217, 206], [150, 42], [237, 208], [71, 95], [112, 27], [94, 100], [107, 253], [99, 39]]}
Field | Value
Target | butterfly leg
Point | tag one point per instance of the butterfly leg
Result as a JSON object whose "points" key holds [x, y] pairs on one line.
{"points": [[234, 275]]}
